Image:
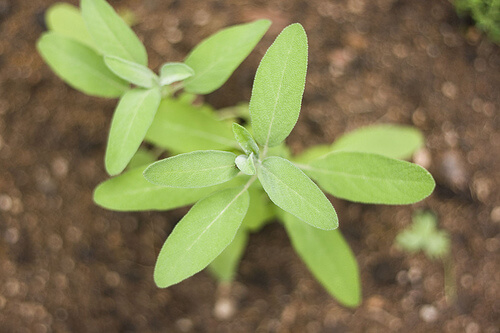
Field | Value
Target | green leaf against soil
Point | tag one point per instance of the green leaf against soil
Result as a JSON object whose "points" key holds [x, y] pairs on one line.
{"points": [[174, 71], [191, 170], [216, 58], [66, 20], [370, 178], [389, 140], [328, 257], [245, 140], [278, 87], [198, 127], [131, 120], [312, 153], [131, 192], [79, 66], [246, 164], [111, 34], [140, 158], [132, 72], [291, 190], [200, 237], [224, 267], [260, 211]]}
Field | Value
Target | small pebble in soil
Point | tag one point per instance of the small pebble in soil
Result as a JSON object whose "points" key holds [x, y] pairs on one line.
{"points": [[415, 274], [423, 158], [184, 324], [428, 313], [224, 308], [11, 235], [449, 89], [5, 202], [472, 328], [453, 170]]}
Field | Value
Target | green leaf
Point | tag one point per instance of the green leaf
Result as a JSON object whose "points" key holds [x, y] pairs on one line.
{"points": [[245, 140], [131, 120], [174, 71], [389, 140], [260, 211], [200, 237], [140, 158], [66, 20], [132, 72], [79, 66], [371, 178], [312, 153], [111, 34], [291, 190], [192, 170], [216, 58], [328, 257], [198, 127], [225, 265], [130, 192], [246, 164], [278, 87]]}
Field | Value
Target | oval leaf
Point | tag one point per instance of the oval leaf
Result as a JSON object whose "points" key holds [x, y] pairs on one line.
{"points": [[216, 58], [131, 192], [389, 140], [225, 265], [66, 20], [246, 164], [198, 127], [174, 71], [132, 72], [133, 116], [291, 190], [278, 87], [245, 140], [328, 257], [79, 66], [196, 169], [200, 237], [371, 178], [110, 33]]}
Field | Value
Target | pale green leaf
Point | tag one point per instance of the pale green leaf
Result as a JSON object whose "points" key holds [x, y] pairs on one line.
{"points": [[132, 72], [174, 71], [291, 190], [79, 66], [200, 237], [191, 170], [245, 140], [370, 178], [216, 58], [389, 140], [131, 120], [278, 87], [65, 19], [225, 265], [140, 158], [130, 192], [246, 164], [111, 34], [312, 153], [198, 127], [328, 257], [260, 211]]}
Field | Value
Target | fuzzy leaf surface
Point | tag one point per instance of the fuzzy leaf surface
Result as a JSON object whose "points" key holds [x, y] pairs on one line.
{"points": [[291, 190], [132, 72], [130, 192], [133, 116], [224, 267], [200, 237], [246, 164], [216, 58], [191, 170], [198, 127], [174, 71], [371, 178], [245, 140], [66, 20], [111, 34], [79, 66], [278, 87], [328, 257]]}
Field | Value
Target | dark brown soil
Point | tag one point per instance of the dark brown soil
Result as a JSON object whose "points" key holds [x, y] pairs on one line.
{"points": [[67, 265]]}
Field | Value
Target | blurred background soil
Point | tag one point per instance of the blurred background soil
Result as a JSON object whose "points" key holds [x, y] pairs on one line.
{"points": [[67, 265]]}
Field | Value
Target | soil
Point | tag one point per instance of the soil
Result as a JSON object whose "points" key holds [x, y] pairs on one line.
{"points": [[67, 265]]}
